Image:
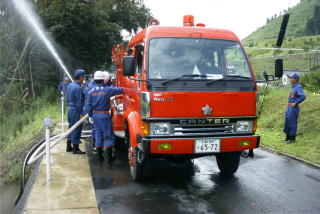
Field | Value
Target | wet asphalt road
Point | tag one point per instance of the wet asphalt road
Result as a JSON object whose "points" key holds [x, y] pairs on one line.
{"points": [[267, 183]]}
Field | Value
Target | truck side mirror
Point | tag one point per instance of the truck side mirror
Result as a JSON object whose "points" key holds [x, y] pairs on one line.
{"points": [[278, 69], [129, 65]]}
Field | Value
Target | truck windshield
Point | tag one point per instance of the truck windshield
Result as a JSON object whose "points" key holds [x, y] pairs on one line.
{"points": [[196, 58]]}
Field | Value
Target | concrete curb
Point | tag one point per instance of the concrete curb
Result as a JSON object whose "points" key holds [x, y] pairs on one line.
{"points": [[290, 156]]}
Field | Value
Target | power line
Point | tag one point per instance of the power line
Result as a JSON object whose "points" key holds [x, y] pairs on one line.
{"points": [[288, 49], [286, 56]]}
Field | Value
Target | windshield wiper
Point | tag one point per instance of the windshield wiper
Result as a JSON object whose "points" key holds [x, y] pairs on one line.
{"points": [[181, 77], [228, 77], [237, 76]]}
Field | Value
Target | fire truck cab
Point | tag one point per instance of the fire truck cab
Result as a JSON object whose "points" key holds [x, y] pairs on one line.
{"points": [[190, 92]]}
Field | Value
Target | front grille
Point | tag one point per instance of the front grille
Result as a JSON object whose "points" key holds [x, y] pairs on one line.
{"points": [[213, 129], [200, 127]]}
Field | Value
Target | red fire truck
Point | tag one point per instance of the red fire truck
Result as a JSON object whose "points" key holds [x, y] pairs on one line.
{"points": [[190, 92]]}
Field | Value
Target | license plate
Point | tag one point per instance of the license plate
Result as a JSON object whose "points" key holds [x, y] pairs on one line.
{"points": [[207, 145]]}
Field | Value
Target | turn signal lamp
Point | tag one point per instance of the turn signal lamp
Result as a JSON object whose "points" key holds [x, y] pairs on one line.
{"points": [[200, 25], [145, 129], [164, 146], [244, 143], [188, 20]]}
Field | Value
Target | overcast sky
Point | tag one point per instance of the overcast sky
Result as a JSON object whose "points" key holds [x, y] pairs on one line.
{"points": [[241, 16]]}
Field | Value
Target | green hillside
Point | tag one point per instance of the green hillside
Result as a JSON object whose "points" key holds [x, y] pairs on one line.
{"points": [[299, 16]]}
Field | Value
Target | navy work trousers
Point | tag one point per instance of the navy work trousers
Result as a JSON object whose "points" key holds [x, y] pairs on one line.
{"points": [[103, 128], [291, 121], [73, 118]]}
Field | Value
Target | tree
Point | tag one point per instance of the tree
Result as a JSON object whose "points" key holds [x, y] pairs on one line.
{"points": [[87, 30], [84, 32], [313, 24]]}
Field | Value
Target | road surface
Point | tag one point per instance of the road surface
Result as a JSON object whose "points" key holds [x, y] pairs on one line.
{"points": [[268, 183]]}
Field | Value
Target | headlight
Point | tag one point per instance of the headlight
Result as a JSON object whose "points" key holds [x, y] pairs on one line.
{"points": [[244, 126], [160, 128]]}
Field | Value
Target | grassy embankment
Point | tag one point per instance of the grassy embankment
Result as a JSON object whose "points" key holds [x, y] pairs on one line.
{"points": [[14, 150], [271, 123]]}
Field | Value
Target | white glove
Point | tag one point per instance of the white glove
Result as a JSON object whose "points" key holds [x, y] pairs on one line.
{"points": [[91, 120]]}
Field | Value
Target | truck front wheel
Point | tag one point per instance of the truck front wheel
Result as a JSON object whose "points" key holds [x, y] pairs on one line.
{"points": [[137, 160], [137, 164], [228, 163]]}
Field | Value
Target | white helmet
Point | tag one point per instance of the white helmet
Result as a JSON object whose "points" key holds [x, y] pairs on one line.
{"points": [[98, 75], [106, 76]]}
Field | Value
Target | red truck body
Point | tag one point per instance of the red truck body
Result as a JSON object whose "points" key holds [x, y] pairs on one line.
{"points": [[191, 93]]}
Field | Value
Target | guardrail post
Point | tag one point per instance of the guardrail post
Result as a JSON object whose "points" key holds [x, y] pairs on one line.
{"points": [[62, 112], [47, 124]]}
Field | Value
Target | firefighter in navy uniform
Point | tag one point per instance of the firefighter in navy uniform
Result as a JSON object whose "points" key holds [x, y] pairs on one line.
{"points": [[75, 98], [107, 82], [62, 88], [291, 116], [97, 106], [86, 90]]}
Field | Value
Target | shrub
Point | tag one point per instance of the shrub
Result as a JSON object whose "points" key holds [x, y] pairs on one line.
{"points": [[311, 81], [13, 123], [251, 44]]}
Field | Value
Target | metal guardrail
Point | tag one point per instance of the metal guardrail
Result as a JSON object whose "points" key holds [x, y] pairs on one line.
{"points": [[35, 156]]}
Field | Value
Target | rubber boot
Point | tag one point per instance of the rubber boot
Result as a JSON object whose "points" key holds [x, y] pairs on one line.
{"points": [[292, 139], [69, 147], [76, 150], [94, 150], [100, 154], [93, 142], [109, 155], [287, 138]]}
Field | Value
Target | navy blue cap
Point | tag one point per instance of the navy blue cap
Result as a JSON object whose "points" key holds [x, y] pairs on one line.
{"points": [[294, 75], [79, 73]]}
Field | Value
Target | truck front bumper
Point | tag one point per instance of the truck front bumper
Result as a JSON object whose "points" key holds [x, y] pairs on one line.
{"points": [[187, 145]]}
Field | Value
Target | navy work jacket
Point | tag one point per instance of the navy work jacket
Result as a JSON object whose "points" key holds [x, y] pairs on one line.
{"points": [[75, 96], [296, 95], [87, 89], [63, 87], [99, 98]]}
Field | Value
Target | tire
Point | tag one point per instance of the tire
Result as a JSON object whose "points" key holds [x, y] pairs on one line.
{"points": [[228, 163], [137, 161], [138, 168]]}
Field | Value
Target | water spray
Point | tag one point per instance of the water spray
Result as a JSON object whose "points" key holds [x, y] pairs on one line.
{"points": [[28, 13]]}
